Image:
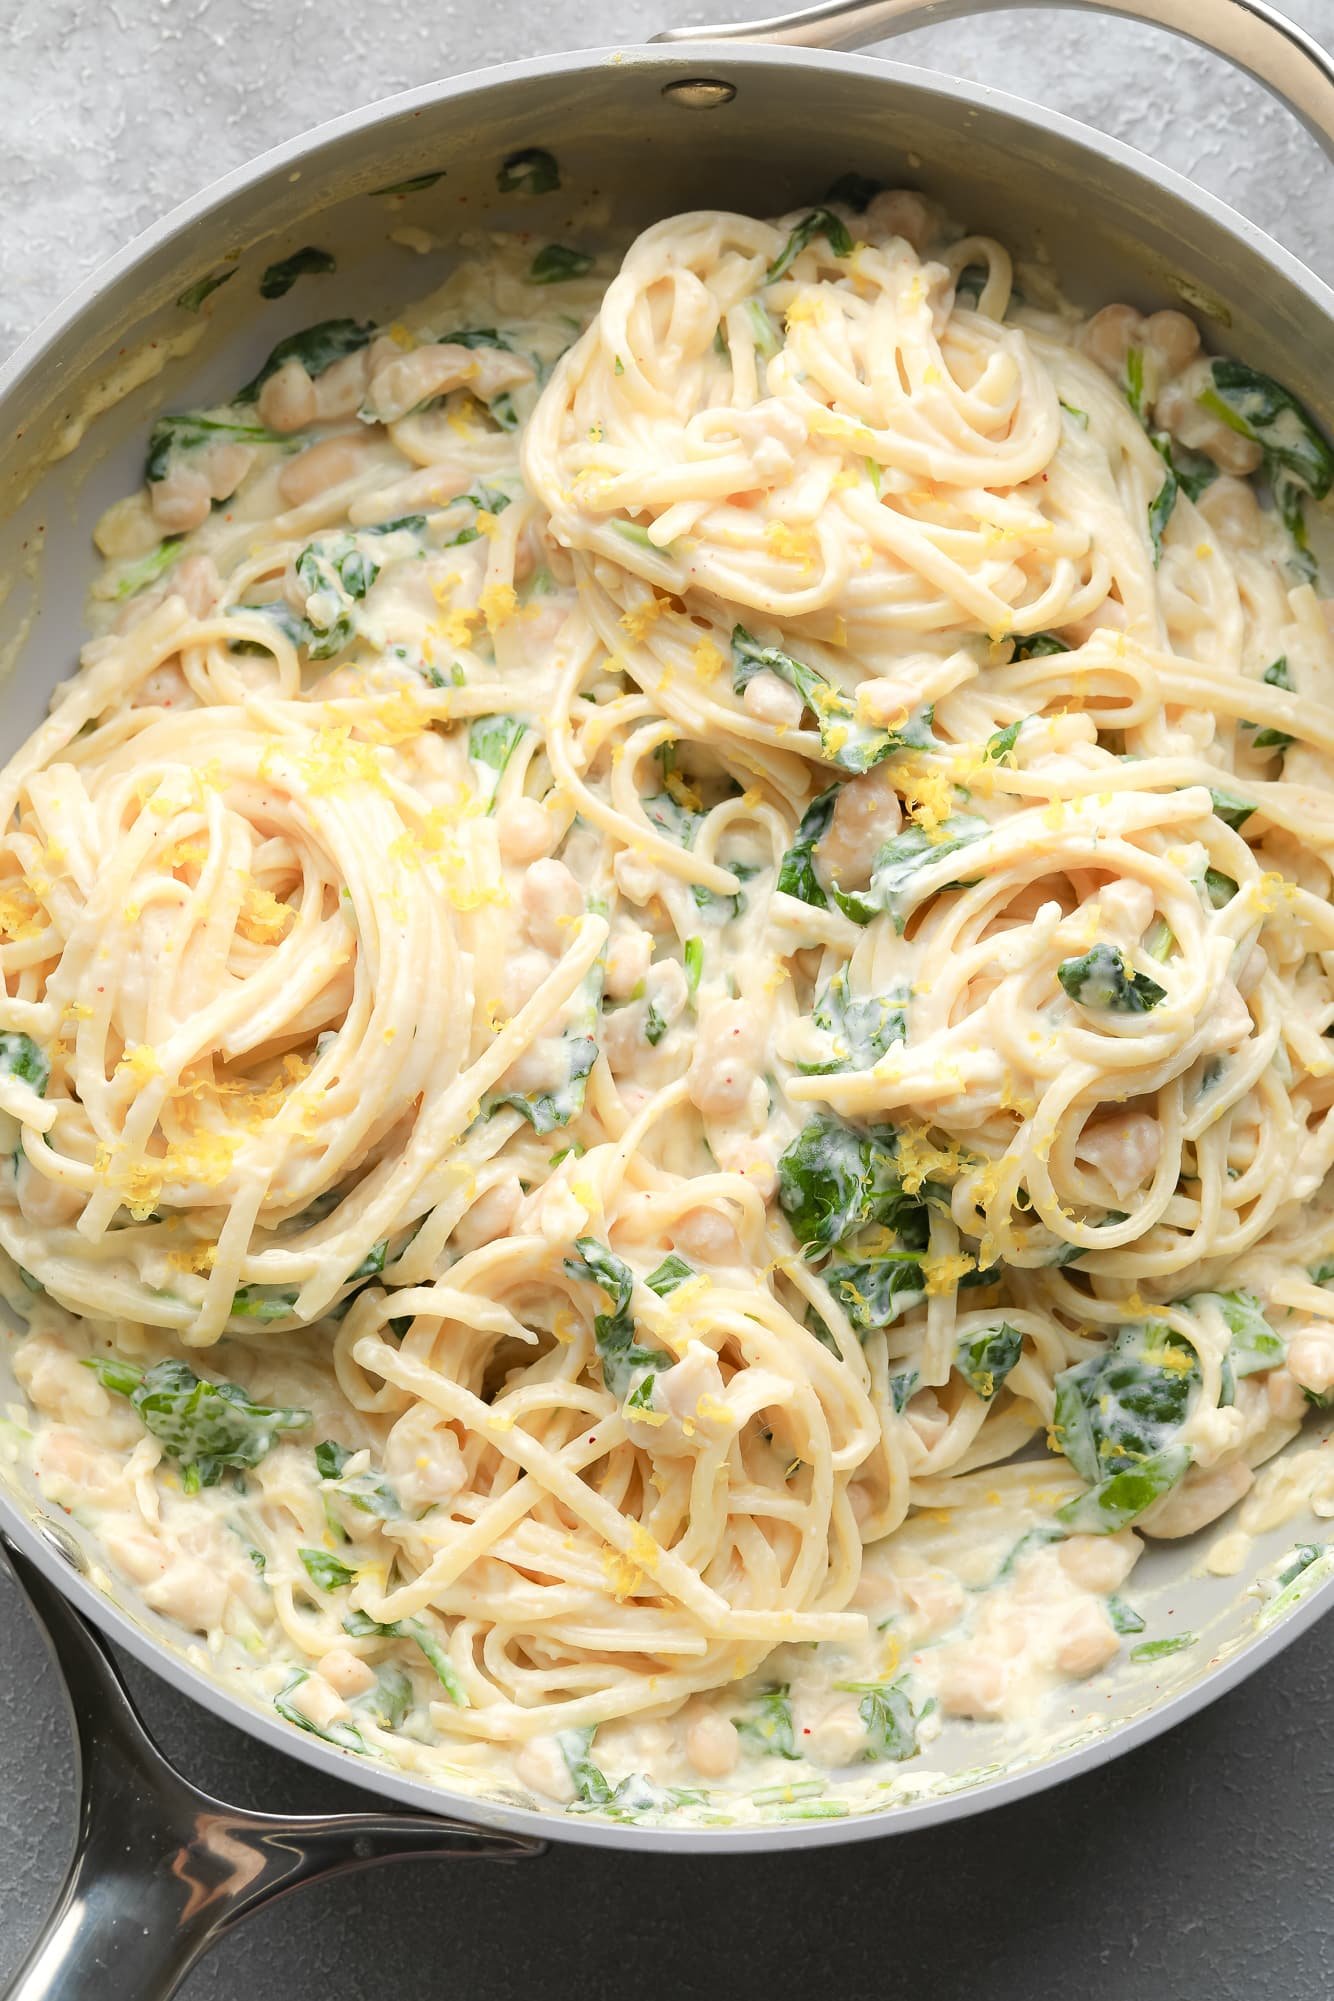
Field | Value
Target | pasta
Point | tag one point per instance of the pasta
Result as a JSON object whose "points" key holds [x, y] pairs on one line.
{"points": [[667, 980]]}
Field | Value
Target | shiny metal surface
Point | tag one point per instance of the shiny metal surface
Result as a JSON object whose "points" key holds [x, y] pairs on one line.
{"points": [[159, 1869], [627, 132], [1249, 33]]}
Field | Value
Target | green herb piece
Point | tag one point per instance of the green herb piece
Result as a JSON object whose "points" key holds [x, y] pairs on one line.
{"points": [[193, 297], [672, 1272], [531, 171], [1276, 675], [1076, 416], [331, 1458], [21, 1057], [692, 956], [492, 741], [902, 1389], [984, 1360], [361, 1626], [1098, 979], [589, 1785], [262, 1302], [307, 262], [1124, 1618], [137, 576], [896, 886], [1161, 506], [623, 1360], [1231, 811], [797, 876], [326, 1570], [768, 1724], [373, 1262], [1000, 746], [1134, 380], [316, 348], [205, 1426], [1219, 888], [852, 745], [1036, 645], [655, 1026], [820, 222], [890, 1719], [878, 1291], [1298, 459], [557, 262], [1301, 1559], [1158, 1650], [545, 1110], [866, 1026], [345, 1735]]}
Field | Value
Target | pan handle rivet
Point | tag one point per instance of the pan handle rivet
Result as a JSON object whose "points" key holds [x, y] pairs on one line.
{"points": [[703, 92]]}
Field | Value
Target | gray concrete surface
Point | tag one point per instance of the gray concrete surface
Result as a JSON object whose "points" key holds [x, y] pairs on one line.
{"points": [[1195, 1867]]}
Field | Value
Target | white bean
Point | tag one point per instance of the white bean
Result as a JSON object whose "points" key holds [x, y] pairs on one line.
{"points": [[866, 814], [552, 903], [772, 701], [712, 1744], [727, 1057]]}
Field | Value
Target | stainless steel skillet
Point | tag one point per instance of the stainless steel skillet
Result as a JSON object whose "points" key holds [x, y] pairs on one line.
{"points": [[645, 131]]}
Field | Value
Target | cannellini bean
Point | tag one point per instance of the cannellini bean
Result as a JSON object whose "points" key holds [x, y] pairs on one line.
{"points": [[399, 385], [541, 1766], [623, 1040], [524, 973], [340, 388], [346, 1673], [902, 212], [970, 1685], [422, 1459], [712, 1744], [770, 700], [1311, 1356], [525, 831], [1286, 1397], [628, 957], [57, 1384], [1108, 337], [727, 1058], [935, 1599], [838, 1737], [327, 464], [183, 500], [1206, 1493], [1098, 1563], [192, 1592], [552, 903], [127, 528], [709, 1235], [1171, 340], [866, 814], [884, 701], [225, 465], [287, 400], [1088, 1640], [489, 1217], [71, 1471], [636, 879], [1125, 1149]]}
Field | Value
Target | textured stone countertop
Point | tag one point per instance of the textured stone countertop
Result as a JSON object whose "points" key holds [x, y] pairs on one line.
{"points": [[1194, 1867]]}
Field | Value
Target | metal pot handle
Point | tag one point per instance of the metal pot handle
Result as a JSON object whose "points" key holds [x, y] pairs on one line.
{"points": [[160, 1870], [1248, 33]]}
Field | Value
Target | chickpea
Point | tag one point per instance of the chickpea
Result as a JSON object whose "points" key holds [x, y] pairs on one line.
{"points": [[287, 400], [525, 831], [1109, 336], [346, 1673], [1098, 1563], [709, 1235], [712, 1744], [1311, 1356], [628, 959], [1173, 340]]}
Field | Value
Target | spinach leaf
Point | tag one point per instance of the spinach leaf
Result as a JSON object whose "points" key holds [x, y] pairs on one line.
{"points": [[316, 348], [137, 576], [262, 1302], [768, 1726], [1124, 1618], [189, 431], [205, 1426], [391, 1698], [833, 1178], [345, 1735], [280, 614], [623, 1360], [1134, 380], [21, 1057], [1297, 457], [1218, 888], [476, 337], [531, 171], [326, 1570], [984, 1360], [895, 885], [671, 1273], [865, 1026], [797, 876], [556, 262], [1157, 1650], [1036, 645], [1192, 471], [373, 1262], [545, 1110], [1253, 1346], [492, 741], [820, 222], [1276, 675], [1098, 979], [590, 1788], [999, 747], [1117, 1420], [902, 1389], [655, 1026], [362, 1626], [330, 1458], [193, 297], [854, 191], [1161, 506], [890, 1719], [309, 261], [873, 1293], [851, 745], [1232, 812]]}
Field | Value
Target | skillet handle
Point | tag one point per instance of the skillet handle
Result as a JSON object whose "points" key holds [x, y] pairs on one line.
{"points": [[1247, 33], [160, 1870]]}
